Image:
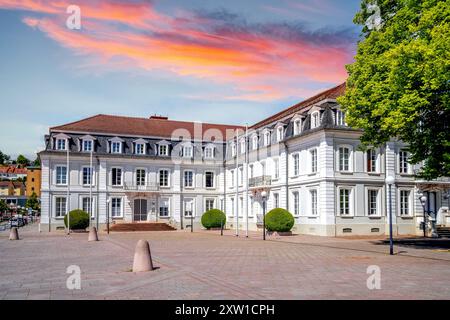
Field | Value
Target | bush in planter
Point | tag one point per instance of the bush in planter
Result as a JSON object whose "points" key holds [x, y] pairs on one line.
{"points": [[213, 218], [279, 220], [79, 219]]}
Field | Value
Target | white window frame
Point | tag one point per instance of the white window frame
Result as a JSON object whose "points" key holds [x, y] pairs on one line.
{"points": [[378, 190], [315, 119], [213, 177], [206, 206], [168, 178], [267, 138], [82, 199], [192, 201], [311, 202], [296, 203], [255, 142], [55, 206], [233, 149], [192, 180], [121, 176], [241, 175], [116, 143], [350, 158], [350, 201], [160, 202], [377, 161], [280, 133], [136, 176], [296, 164], [297, 123], [163, 149], [209, 152], [340, 118], [188, 151], [410, 202], [66, 175], [276, 200], [66, 143], [408, 165], [120, 209], [243, 146], [91, 173], [276, 168], [313, 161], [83, 144], [137, 148]]}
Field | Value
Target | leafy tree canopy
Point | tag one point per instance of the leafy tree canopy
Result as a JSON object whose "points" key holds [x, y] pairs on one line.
{"points": [[4, 158], [21, 160], [32, 202], [398, 86]]}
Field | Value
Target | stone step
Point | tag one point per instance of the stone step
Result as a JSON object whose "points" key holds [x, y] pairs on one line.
{"points": [[130, 227]]}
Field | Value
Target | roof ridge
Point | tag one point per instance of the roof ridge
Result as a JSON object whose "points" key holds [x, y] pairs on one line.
{"points": [[75, 122]]}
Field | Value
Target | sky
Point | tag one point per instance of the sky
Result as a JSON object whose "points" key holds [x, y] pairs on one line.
{"points": [[231, 62]]}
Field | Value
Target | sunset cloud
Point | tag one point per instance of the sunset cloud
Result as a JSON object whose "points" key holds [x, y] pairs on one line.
{"points": [[265, 61]]}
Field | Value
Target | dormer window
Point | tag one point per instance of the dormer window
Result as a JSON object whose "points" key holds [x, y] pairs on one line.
{"points": [[266, 138], [61, 144], [116, 147], [87, 145], [255, 142], [163, 150], [243, 146], [233, 149], [297, 126], [209, 152], [315, 119], [188, 151], [140, 148], [340, 118], [280, 134]]}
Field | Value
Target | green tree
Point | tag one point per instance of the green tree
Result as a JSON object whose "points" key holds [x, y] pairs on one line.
{"points": [[37, 162], [21, 160], [398, 86], [3, 206], [4, 158], [32, 202]]}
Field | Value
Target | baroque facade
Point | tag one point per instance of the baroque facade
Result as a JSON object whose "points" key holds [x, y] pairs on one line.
{"points": [[305, 158]]}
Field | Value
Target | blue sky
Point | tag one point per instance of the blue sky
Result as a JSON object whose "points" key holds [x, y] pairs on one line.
{"points": [[230, 62]]}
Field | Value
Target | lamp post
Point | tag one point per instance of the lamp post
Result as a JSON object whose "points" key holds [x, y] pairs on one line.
{"points": [[192, 222], [390, 181], [107, 215], [264, 196], [423, 201]]}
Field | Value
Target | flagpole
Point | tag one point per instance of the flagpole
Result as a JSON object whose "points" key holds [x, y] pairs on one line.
{"points": [[246, 180], [236, 205], [90, 190], [68, 190]]}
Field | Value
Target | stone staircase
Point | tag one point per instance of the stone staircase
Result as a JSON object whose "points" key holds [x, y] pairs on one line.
{"points": [[443, 232], [131, 227]]}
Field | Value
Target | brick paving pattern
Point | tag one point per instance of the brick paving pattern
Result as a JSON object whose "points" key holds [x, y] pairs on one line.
{"points": [[204, 265]]}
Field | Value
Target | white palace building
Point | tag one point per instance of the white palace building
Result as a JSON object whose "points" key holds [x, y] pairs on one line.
{"points": [[305, 158]]}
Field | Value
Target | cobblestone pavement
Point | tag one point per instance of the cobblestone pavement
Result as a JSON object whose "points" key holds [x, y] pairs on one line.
{"points": [[204, 265]]}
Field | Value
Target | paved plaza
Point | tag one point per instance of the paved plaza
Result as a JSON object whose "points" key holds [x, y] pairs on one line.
{"points": [[204, 265]]}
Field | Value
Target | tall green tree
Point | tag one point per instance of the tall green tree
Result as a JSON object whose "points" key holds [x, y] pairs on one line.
{"points": [[23, 161], [4, 158], [399, 84]]}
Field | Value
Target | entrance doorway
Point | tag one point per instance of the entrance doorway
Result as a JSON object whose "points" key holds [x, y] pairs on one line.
{"points": [[140, 210]]}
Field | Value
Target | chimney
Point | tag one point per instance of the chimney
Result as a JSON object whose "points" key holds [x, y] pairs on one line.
{"points": [[158, 117]]}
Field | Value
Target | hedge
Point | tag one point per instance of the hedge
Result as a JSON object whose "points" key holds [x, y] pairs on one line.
{"points": [[279, 220], [213, 218], [79, 219]]}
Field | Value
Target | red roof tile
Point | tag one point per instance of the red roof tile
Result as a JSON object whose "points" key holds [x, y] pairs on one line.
{"points": [[332, 93], [155, 126]]}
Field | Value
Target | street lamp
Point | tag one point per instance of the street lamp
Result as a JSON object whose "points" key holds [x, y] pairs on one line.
{"points": [[107, 215], [264, 196], [423, 201], [390, 181]]}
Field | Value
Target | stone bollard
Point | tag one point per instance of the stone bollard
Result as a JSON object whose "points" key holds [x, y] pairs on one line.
{"points": [[93, 234], [13, 234], [142, 257]]}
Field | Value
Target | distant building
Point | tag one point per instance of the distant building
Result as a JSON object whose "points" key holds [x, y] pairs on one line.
{"points": [[12, 173], [13, 192], [33, 183]]}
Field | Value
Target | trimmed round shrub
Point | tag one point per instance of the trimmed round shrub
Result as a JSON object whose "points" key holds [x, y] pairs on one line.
{"points": [[279, 220], [79, 219], [213, 218]]}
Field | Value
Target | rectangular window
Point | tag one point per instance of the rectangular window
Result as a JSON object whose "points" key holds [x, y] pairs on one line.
{"points": [[251, 171], [314, 202], [296, 164], [60, 206], [297, 127], [116, 207], [87, 205], [164, 208], [267, 138], [243, 147], [314, 160], [371, 160], [209, 179], [222, 205], [87, 176], [116, 176], [233, 149], [232, 178], [263, 168], [188, 179], [276, 200], [241, 176], [163, 150], [296, 203], [344, 202], [140, 148], [61, 144], [61, 175], [340, 118], [87, 145], [404, 202], [232, 206], [403, 162], [164, 178], [209, 204], [280, 134], [372, 199], [115, 147], [344, 159], [188, 207], [140, 177], [209, 153], [255, 142], [276, 167], [315, 122], [187, 152]]}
